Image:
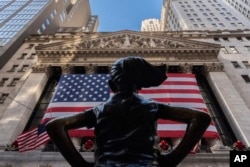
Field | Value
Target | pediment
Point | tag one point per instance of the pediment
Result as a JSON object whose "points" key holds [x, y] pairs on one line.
{"points": [[127, 40]]}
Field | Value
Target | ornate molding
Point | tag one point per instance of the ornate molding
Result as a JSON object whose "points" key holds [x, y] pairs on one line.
{"points": [[186, 68], [213, 67], [42, 68]]}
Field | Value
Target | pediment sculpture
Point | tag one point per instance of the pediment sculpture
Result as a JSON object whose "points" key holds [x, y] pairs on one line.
{"points": [[127, 40]]}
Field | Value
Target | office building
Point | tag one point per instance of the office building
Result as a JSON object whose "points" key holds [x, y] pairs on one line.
{"points": [[178, 15], [20, 18], [150, 25], [243, 6]]}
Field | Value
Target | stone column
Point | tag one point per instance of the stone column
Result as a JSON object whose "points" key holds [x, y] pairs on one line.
{"points": [[232, 104], [69, 69], [90, 69], [186, 68], [20, 109]]}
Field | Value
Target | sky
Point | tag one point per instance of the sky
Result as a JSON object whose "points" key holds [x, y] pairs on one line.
{"points": [[115, 15]]}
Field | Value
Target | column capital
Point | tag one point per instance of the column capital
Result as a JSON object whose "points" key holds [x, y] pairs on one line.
{"points": [[213, 67], [90, 69], [42, 68], [67, 69], [186, 68]]}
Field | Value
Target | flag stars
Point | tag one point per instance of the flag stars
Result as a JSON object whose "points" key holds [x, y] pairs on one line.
{"points": [[82, 87]]}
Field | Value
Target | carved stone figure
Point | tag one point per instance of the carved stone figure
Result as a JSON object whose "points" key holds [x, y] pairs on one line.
{"points": [[125, 125]]}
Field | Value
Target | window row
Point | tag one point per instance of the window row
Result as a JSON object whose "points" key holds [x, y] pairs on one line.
{"points": [[226, 39], [26, 55], [8, 82], [237, 65], [15, 68], [47, 22], [231, 49]]}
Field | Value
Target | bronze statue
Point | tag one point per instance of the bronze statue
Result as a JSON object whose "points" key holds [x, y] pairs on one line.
{"points": [[126, 125]]}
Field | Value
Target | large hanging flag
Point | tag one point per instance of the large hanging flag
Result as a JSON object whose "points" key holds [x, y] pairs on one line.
{"points": [[179, 89], [78, 92]]}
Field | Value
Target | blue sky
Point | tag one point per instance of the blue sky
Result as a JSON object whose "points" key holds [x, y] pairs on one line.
{"points": [[115, 15]]}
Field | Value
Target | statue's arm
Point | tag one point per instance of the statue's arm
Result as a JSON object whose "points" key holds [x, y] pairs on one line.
{"points": [[197, 123], [57, 130]]}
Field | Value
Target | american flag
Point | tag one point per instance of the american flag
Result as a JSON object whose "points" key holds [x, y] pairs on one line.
{"points": [[78, 92], [179, 89]]}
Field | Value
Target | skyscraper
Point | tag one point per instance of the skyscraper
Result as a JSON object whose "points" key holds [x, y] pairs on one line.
{"points": [[150, 25], [20, 18], [243, 6], [180, 15]]}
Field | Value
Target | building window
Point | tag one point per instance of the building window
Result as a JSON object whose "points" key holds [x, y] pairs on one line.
{"points": [[43, 26], [247, 48], [14, 82], [47, 22], [239, 38], [196, 25], [32, 56], [14, 68], [225, 39], [233, 49], [234, 18], [3, 81], [241, 24], [246, 64], [3, 97], [221, 24], [39, 31], [233, 24], [216, 39], [23, 56], [209, 19], [24, 68], [224, 50], [235, 64], [30, 46], [246, 78], [203, 25], [214, 25]]}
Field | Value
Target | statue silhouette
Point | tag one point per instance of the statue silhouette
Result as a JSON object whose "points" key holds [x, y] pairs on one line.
{"points": [[126, 124]]}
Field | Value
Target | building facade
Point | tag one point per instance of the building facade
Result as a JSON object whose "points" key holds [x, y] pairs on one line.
{"points": [[27, 88], [150, 25], [243, 6], [213, 15], [20, 18]]}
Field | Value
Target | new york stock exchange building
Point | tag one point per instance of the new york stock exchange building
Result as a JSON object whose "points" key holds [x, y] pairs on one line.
{"points": [[64, 73]]}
